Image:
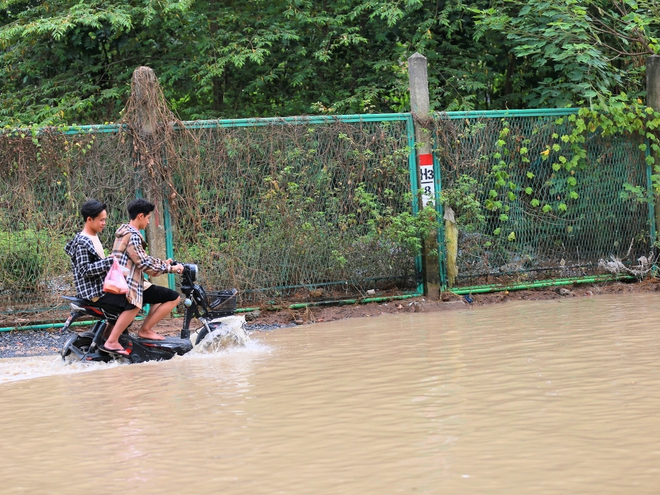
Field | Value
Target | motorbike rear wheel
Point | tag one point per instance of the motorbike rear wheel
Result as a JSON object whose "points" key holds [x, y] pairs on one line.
{"points": [[82, 342], [75, 340]]}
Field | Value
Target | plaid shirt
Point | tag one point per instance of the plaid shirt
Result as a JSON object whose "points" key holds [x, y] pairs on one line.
{"points": [[89, 269], [129, 250]]}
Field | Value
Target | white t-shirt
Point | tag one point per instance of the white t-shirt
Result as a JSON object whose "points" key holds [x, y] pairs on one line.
{"points": [[97, 244]]}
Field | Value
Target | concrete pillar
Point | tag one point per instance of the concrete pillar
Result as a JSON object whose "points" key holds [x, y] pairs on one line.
{"points": [[419, 99], [653, 101], [421, 110]]}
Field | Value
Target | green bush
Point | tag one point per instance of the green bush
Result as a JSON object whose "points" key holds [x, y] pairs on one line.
{"points": [[23, 258]]}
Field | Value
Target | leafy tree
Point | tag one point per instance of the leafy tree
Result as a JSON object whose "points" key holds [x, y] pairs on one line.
{"points": [[67, 62], [570, 52]]}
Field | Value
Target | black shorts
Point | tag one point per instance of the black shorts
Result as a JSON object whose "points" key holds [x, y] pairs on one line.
{"points": [[114, 301], [157, 294]]}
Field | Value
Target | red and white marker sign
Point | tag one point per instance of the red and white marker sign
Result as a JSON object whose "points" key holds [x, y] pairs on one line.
{"points": [[427, 177]]}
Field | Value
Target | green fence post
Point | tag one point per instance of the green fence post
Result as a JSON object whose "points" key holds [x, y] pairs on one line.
{"points": [[169, 244], [652, 100], [442, 252], [650, 195], [414, 186]]}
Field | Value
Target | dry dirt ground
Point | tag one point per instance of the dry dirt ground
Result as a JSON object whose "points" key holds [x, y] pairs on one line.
{"points": [[265, 318]]}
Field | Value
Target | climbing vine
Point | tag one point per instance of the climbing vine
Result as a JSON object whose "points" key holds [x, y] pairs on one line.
{"points": [[566, 150], [548, 191]]}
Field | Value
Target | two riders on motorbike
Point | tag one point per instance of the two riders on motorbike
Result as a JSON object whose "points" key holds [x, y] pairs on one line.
{"points": [[90, 266]]}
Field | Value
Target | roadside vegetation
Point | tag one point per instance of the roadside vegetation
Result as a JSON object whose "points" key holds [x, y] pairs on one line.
{"points": [[65, 62]]}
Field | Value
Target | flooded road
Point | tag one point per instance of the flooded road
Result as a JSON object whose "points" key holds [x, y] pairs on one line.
{"points": [[548, 397]]}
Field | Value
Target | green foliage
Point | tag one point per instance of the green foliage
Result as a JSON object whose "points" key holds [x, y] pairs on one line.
{"points": [[567, 155], [63, 62], [574, 53], [463, 199], [402, 230], [22, 259]]}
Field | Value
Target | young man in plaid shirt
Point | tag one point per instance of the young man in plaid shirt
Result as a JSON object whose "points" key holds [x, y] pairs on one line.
{"points": [[129, 249], [90, 266]]}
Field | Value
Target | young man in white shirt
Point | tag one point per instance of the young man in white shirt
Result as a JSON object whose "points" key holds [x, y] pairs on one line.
{"points": [[90, 266]]}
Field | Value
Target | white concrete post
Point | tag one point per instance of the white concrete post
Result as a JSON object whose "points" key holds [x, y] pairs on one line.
{"points": [[421, 110]]}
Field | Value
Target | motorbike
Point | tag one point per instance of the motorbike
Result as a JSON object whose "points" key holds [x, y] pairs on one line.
{"points": [[209, 308]]}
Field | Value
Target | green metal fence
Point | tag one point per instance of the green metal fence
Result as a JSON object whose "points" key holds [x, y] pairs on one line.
{"points": [[523, 217], [44, 178], [317, 208], [297, 208]]}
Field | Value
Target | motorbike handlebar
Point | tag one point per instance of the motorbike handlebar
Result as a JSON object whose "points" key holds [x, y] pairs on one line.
{"points": [[189, 270]]}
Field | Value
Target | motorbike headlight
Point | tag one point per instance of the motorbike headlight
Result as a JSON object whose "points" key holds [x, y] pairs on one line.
{"points": [[190, 269]]}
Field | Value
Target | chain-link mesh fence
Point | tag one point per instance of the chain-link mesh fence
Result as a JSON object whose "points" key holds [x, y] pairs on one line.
{"points": [[297, 209], [523, 212], [294, 208], [322, 208], [43, 181]]}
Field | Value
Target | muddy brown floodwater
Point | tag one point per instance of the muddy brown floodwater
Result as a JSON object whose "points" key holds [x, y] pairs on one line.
{"points": [[548, 397]]}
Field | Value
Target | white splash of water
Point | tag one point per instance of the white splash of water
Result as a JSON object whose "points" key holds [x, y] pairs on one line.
{"points": [[26, 368], [225, 333], [228, 334]]}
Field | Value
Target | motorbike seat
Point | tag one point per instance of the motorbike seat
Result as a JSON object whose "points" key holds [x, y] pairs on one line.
{"points": [[99, 311]]}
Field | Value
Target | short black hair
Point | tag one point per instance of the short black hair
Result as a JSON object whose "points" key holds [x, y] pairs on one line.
{"points": [[138, 206], [92, 208]]}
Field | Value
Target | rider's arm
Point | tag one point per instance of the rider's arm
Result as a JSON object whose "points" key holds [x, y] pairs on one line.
{"points": [[88, 268], [147, 264]]}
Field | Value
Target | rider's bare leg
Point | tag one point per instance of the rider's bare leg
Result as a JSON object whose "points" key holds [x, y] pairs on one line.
{"points": [[125, 319], [156, 313], [108, 329]]}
